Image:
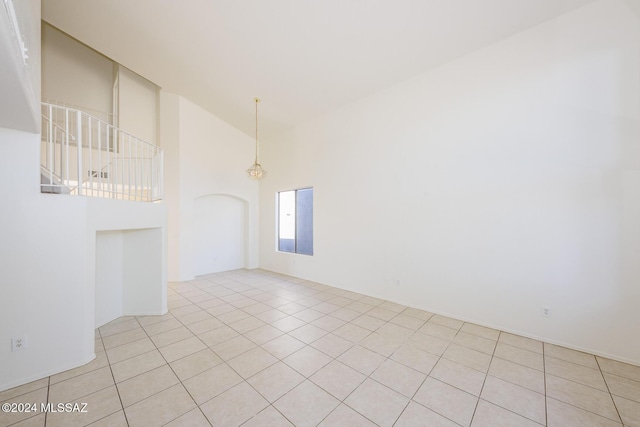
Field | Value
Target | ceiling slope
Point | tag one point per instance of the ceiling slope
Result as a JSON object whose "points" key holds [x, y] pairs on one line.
{"points": [[302, 57]]}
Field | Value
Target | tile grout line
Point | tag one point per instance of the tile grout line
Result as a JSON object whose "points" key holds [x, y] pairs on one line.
{"points": [[439, 357], [230, 367], [578, 407], [428, 375], [174, 373], [305, 378], [386, 357], [484, 381], [609, 390], [216, 354], [546, 398], [85, 373], [389, 358], [515, 384], [281, 289], [245, 380], [46, 414], [575, 382], [115, 385], [515, 362], [357, 343]]}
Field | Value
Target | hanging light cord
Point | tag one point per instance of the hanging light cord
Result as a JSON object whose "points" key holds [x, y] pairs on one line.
{"points": [[255, 171], [257, 100]]}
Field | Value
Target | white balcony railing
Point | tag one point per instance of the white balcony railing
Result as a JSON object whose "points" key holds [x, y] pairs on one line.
{"points": [[83, 155]]}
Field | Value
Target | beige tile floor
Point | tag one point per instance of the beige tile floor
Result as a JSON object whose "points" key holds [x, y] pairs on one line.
{"points": [[255, 348]]}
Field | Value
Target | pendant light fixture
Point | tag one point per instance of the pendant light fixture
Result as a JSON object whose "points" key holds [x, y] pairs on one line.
{"points": [[256, 172]]}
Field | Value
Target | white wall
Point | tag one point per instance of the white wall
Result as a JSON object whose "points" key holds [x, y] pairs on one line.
{"points": [[74, 73], [43, 249], [48, 275], [137, 105], [219, 229], [109, 276], [170, 143], [20, 82], [130, 266], [485, 189], [634, 5], [204, 156], [143, 235], [48, 245], [42, 245], [144, 280]]}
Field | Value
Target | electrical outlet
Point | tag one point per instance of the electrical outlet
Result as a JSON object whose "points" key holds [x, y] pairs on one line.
{"points": [[18, 343], [546, 311]]}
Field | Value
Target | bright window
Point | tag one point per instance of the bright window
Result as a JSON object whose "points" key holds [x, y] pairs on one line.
{"points": [[295, 221]]}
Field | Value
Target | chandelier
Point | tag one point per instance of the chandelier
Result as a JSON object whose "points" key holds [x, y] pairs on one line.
{"points": [[255, 171]]}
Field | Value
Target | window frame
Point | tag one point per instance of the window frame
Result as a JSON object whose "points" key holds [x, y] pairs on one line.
{"points": [[295, 221]]}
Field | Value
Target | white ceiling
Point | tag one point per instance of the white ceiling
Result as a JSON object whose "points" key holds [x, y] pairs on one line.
{"points": [[302, 57]]}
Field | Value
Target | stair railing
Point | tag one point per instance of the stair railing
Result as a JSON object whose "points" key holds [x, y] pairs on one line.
{"points": [[90, 157]]}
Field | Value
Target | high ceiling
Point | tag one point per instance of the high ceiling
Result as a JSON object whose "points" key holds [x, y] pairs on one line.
{"points": [[302, 57]]}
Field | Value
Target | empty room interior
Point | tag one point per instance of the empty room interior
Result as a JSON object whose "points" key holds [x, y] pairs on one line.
{"points": [[304, 213]]}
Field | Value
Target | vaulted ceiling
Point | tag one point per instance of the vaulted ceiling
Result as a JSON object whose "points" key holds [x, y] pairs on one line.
{"points": [[302, 57]]}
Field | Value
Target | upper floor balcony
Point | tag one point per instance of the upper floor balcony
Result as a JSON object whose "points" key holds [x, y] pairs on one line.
{"points": [[86, 156]]}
